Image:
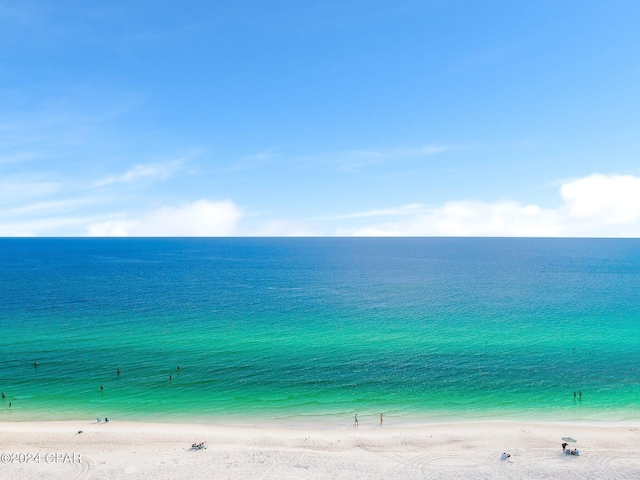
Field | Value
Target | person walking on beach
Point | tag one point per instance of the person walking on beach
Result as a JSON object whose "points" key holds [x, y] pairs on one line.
{"points": [[355, 421], [381, 415]]}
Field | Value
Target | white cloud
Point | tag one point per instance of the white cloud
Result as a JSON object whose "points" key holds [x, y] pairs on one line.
{"points": [[142, 172], [425, 151], [593, 206], [264, 155], [281, 228], [468, 218], [53, 226], [610, 199], [15, 188], [17, 157], [355, 161], [47, 207], [411, 209], [203, 218]]}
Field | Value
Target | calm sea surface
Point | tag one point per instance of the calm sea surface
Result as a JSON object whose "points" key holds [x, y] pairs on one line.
{"points": [[316, 330]]}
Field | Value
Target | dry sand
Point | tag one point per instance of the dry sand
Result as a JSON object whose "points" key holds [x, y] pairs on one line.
{"points": [[433, 451]]}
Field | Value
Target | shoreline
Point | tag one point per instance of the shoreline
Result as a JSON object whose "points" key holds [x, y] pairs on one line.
{"points": [[327, 419], [315, 425], [468, 450]]}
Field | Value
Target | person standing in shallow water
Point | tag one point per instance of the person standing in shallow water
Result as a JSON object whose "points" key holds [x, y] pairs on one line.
{"points": [[102, 388], [381, 418], [355, 421]]}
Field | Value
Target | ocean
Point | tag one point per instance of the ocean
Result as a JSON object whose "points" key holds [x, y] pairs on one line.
{"points": [[315, 330]]}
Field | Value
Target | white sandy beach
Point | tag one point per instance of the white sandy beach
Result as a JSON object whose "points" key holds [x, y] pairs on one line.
{"points": [[434, 451]]}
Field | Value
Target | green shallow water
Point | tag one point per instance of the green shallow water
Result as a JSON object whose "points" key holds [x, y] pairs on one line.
{"points": [[315, 330]]}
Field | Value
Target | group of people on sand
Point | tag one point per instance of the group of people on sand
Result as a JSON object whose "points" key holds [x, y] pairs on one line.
{"points": [[568, 451], [565, 450], [198, 446]]}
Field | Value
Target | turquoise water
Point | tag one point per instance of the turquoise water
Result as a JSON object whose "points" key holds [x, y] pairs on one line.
{"points": [[315, 330]]}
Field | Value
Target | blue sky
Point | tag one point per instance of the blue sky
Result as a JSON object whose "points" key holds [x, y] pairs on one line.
{"points": [[509, 118]]}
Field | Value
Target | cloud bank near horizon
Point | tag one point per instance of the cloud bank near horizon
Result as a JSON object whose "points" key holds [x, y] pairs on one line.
{"points": [[594, 206], [202, 218]]}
